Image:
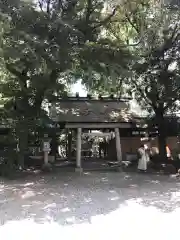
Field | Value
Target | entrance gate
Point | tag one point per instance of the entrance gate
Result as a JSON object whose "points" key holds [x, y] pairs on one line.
{"points": [[95, 145]]}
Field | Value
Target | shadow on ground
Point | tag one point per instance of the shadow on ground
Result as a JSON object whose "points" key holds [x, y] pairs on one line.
{"points": [[72, 199]]}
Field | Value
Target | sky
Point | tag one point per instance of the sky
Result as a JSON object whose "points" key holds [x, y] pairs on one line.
{"points": [[78, 87]]}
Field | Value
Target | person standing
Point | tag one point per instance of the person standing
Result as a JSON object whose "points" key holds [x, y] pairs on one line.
{"points": [[143, 158]]}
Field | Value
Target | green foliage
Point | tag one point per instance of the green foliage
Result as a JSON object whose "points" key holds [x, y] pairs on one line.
{"points": [[156, 81], [151, 34], [44, 46], [103, 64]]}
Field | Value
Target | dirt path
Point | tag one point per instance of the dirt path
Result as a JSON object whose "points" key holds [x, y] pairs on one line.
{"points": [[93, 206]]}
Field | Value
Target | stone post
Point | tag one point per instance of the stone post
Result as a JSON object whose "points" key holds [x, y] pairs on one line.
{"points": [[46, 149], [46, 159]]}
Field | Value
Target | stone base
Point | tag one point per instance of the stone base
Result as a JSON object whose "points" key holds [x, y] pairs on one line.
{"points": [[47, 167], [51, 159], [79, 170], [119, 169]]}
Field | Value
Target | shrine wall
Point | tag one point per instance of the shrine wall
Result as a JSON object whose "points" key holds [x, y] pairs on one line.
{"points": [[131, 144]]}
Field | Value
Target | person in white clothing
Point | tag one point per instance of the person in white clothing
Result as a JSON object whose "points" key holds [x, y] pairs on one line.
{"points": [[143, 157]]}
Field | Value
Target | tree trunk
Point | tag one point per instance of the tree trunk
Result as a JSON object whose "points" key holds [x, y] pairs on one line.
{"points": [[22, 134], [54, 145], [162, 146], [162, 135]]}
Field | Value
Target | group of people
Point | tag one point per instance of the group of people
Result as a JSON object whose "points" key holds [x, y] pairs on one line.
{"points": [[144, 153]]}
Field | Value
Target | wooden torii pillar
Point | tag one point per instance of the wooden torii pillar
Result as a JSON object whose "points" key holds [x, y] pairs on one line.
{"points": [[78, 150], [118, 146]]}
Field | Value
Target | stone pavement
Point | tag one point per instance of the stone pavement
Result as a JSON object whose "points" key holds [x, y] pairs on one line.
{"points": [[93, 206]]}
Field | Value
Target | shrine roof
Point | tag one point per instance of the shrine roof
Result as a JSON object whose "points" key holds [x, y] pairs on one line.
{"points": [[85, 110]]}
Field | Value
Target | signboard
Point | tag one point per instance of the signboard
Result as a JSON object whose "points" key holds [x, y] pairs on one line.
{"points": [[97, 134], [138, 132]]}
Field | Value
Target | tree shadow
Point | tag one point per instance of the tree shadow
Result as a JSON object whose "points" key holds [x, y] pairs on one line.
{"points": [[69, 199]]}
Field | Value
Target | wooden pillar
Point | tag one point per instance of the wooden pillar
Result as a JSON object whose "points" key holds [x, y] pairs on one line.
{"points": [[78, 150], [66, 142], [53, 146], [118, 145]]}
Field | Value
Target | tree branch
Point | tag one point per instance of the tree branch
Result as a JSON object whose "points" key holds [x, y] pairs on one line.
{"points": [[107, 19], [131, 23], [41, 93], [60, 5], [54, 75], [22, 76], [48, 7], [14, 71], [169, 42], [142, 93], [89, 10], [71, 4], [40, 5]]}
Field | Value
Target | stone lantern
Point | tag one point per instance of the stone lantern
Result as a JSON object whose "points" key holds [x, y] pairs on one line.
{"points": [[46, 149]]}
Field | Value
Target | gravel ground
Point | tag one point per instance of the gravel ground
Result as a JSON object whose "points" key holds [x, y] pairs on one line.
{"points": [[93, 206]]}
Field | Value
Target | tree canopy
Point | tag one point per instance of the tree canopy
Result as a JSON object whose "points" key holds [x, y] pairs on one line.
{"points": [[44, 47], [151, 33], [156, 74]]}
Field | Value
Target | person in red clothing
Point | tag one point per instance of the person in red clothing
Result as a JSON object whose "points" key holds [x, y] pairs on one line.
{"points": [[168, 152]]}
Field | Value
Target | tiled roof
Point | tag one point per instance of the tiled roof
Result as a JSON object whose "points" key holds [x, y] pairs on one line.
{"points": [[95, 111]]}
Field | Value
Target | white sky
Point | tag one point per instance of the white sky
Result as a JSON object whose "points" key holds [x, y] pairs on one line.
{"points": [[78, 87]]}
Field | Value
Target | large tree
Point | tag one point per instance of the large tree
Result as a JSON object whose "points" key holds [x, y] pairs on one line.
{"points": [[156, 81], [125, 31], [151, 32], [156, 74], [43, 44]]}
